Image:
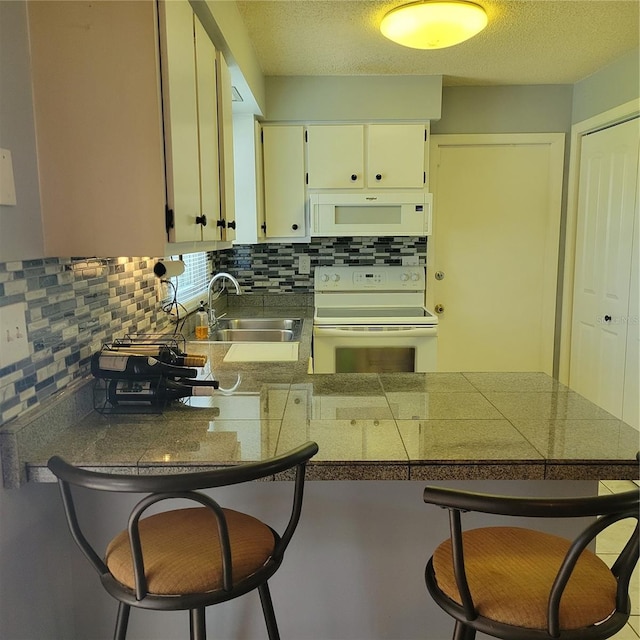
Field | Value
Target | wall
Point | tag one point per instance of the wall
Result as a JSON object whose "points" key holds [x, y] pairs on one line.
{"points": [[20, 225], [614, 85], [340, 98], [505, 109]]}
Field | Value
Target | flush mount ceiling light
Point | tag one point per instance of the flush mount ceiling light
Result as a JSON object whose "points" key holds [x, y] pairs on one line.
{"points": [[433, 24]]}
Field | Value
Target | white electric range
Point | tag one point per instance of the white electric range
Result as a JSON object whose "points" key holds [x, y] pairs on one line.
{"points": [[372, 319]]}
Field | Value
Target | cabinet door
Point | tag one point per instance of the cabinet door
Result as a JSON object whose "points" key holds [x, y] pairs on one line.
{"points": [[207, 132], [335, 156], [283, 157], [99, 127], [181, 134], [395, 157], [225, 127]]}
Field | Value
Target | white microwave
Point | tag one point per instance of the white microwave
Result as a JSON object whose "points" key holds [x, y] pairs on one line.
{"points": [[371, 214]]}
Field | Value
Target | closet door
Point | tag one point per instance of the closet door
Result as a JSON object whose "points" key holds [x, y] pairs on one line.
{"points": [[603, 331]]}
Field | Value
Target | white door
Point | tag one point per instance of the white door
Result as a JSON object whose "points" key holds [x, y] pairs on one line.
{"points": [[495, 240], [607, 209]]}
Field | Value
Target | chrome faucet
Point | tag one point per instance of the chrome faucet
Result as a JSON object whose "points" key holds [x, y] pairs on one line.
{"points": [[219, 276]]}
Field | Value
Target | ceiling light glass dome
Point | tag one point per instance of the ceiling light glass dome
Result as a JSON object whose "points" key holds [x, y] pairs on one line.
{"points": [[433, 24]]}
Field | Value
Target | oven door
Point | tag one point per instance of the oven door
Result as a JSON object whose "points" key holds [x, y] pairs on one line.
{"points": [[374, 348]]}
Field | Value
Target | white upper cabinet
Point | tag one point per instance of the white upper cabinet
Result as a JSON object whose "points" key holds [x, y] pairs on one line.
{"points": [[248, 178], [371, 156], [335, 157], [396, 155], [284, 192], [182, 135], [108, 184], [209, 170], [227, 223]]}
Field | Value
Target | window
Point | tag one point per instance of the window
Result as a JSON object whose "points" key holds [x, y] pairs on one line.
{"points": [[192, 284]]}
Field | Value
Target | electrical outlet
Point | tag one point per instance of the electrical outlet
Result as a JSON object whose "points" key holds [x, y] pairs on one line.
{"points": [[410, 261], [304, 264], [14, 345]]}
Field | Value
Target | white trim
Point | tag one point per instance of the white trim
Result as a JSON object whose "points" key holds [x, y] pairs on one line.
{"points": [[607, 118]]}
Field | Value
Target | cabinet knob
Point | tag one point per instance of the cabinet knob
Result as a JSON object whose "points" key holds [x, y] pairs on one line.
{"points": [[221, 223], [607, 318], [378, 176], [231, 224], [354, 177], [294, 227], [202, 220]]}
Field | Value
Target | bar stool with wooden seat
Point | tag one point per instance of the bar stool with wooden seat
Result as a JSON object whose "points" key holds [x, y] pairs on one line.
{"points": [[521, 584], [187, 558]]}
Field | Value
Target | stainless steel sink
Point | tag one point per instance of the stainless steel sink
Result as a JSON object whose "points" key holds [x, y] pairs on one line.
{"points": [[252, 335], [288, 324], [257, 330]]}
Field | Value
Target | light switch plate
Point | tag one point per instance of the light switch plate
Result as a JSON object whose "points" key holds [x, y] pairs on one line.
{"points": [[7, 185], [14, 345], [304, 264]]}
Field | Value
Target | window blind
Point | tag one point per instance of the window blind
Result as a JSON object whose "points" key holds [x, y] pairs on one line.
{"points": [[192, 284]]}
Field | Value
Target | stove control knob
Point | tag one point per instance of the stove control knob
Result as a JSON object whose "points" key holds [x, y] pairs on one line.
{"points": [[325, 277], [415, 276], [404, 277], [335, 277]]}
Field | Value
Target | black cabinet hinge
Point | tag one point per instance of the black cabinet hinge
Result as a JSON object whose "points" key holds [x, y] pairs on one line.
{"points": [[168, 218]]}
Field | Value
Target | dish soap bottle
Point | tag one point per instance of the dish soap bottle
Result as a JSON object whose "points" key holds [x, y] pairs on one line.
{"points": [[202, 323]]}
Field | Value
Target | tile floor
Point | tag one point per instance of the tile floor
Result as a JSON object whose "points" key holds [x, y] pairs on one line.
{"points": [[610, 543]]}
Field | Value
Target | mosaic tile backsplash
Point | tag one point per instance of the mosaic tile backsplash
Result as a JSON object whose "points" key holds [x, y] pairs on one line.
{"points": [[73, 306], [273, 268]]}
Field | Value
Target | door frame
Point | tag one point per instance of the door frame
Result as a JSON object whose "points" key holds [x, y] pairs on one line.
{"points": [[551, 276], [608, 118]]}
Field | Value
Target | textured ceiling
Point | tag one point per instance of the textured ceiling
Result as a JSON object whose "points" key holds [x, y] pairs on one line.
{"points": [[526, 41]]}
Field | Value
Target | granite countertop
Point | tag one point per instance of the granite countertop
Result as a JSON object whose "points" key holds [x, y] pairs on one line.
{"points": [[404, 426]]}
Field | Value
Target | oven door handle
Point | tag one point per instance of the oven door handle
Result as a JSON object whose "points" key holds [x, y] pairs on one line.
{"points": [[340, 331]]}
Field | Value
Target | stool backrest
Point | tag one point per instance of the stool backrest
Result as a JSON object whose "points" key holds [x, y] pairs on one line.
{"points": [[183, 486], [607, 509]]}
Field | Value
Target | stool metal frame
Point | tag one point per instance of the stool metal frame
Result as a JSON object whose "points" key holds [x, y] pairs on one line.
{"points": [[609, 508], [184, 486]]}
